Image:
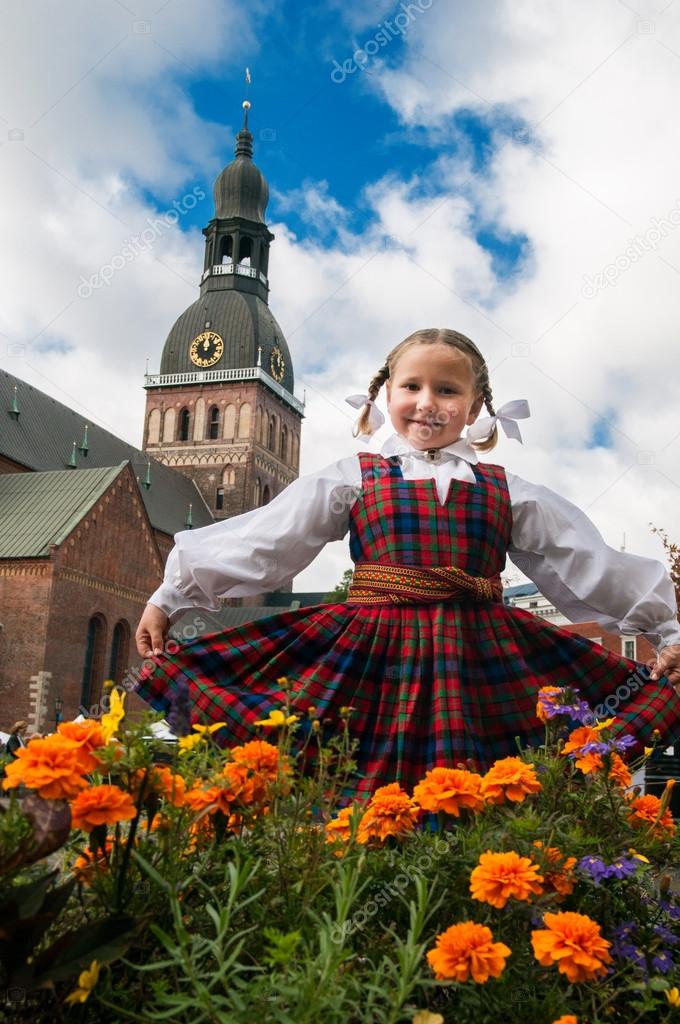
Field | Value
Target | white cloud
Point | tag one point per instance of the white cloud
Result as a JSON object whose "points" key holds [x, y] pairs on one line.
{"points": [[103, 119]]}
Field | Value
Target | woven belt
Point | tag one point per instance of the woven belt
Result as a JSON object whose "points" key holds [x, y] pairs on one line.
{"points": [[374, 583]]}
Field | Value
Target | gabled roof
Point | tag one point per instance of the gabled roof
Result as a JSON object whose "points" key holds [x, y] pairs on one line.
{"points": [[38, 510], [42, 440]]}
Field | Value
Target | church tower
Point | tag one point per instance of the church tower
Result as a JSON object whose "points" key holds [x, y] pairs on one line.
{"points": [[222, 409]]}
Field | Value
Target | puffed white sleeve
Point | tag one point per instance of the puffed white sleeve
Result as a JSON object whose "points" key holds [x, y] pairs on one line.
{"points": [[262, 549], [557, 546]]}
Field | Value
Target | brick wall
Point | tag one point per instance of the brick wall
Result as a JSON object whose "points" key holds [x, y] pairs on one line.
{"points": [[106, 568]]}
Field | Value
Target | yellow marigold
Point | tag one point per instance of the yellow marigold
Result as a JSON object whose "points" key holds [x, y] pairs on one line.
{"points": [[101, 805], [276, 719], [510, 778], [86, 866], [425, 1017], [619, 772], [503, 876], [115, 715], [560, 880], [549, 694], [390, 812], [467, 950], [573, 942], [450, 790], [50, 766], [89, 737], [86, 982], [644, 812], [673, 996]]}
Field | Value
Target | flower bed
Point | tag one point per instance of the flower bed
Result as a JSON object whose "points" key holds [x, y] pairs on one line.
{"points": [[225, 886]]}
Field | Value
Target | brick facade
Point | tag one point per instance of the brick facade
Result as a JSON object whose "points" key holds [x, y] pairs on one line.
{"points": [[103, 571], [254, 456]]}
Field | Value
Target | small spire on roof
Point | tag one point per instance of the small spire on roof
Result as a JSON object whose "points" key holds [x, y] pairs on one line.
{"points": [[72, 464], [14, 411], [189, 524], [147, 482], [84, 447]]}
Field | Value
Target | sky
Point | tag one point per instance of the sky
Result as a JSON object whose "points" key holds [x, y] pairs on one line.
{"points": [[506, 168]]}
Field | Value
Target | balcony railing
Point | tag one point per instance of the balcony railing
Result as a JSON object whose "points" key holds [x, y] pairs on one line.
{"points": [[156, 380], [234, 268]]}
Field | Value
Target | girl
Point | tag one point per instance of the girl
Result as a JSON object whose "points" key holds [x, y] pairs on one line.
{"points": [[437, 669]]}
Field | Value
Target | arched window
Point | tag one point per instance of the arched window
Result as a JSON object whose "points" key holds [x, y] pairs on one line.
{"points": [[245, 250], [256, 492], [214, 423], [226, 249], [153, 434], [266, 495], [184, 424], [284, 443], [120, 643], [93, 668], [219, 498], [244, 418], [271, 442], [199, 420], [229, 421], [169, 425], [228, 476]]}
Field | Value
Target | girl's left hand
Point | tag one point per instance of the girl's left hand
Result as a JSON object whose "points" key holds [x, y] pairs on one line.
{"points": [[667, 663]]}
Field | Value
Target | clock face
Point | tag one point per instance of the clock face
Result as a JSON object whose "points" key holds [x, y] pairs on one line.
{"points": [[277, 364], [206, 349]]}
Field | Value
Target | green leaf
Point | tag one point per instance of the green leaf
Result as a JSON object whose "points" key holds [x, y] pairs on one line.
{"points": [[102, 941]]}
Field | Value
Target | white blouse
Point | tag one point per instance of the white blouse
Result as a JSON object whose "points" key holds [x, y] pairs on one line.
{"points": [[553, 542]]}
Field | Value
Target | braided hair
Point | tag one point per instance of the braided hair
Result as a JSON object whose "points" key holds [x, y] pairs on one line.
{"points": [[437, 336]]}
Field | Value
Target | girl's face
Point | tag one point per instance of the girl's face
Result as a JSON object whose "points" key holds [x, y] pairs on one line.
{"points": [[430, 395]]}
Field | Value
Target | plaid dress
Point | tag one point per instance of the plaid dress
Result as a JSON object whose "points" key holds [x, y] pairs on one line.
{"points": [[431, 684]]}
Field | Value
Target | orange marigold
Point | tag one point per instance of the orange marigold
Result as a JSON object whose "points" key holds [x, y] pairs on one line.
{"points": [[619, 772], [578, 738], [549, 694], [390, 812], [644, 812], [260, 757], [450, 790], [510, 778], [467, 950], [51, 766], [161, 781], [244, 786], [340, 828], [86, 866], [502, 876], [101, 805], [198, 799], [560, 880], [573, 942], [566, 1018], [89, 737]]}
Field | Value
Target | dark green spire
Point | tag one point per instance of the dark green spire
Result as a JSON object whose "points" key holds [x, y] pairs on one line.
{"points": [[84, 448], [189, 522], [147, 482], [72, 464], [14, 411]]}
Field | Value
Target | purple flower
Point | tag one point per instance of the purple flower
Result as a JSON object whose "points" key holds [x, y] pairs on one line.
{"points": [[670, 909], [599, 871], [662, 962], [179, 716], [596, 747], [666, 935]]}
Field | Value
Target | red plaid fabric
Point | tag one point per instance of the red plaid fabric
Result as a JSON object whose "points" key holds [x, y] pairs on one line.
{"points": [[432, 684]]}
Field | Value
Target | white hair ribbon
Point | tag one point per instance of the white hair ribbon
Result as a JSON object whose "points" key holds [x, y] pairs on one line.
{"points": [[375, 417], [506, 416]]}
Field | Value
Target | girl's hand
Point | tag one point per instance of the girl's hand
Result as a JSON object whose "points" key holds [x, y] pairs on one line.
{"points": [[152, 631], [667, 663]]}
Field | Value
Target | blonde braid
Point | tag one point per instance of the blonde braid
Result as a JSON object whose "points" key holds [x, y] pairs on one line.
{"points": [[485, 389], [374, 387]]}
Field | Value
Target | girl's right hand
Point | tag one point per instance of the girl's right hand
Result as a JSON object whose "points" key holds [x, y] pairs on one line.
{"points": [[152, 631]]}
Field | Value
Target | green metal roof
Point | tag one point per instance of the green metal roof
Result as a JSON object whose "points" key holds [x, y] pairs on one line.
{"points": [[42, 439], [38, 510]]}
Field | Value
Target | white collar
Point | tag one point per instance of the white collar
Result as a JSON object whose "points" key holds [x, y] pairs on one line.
{"points": [[460, 449]]}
